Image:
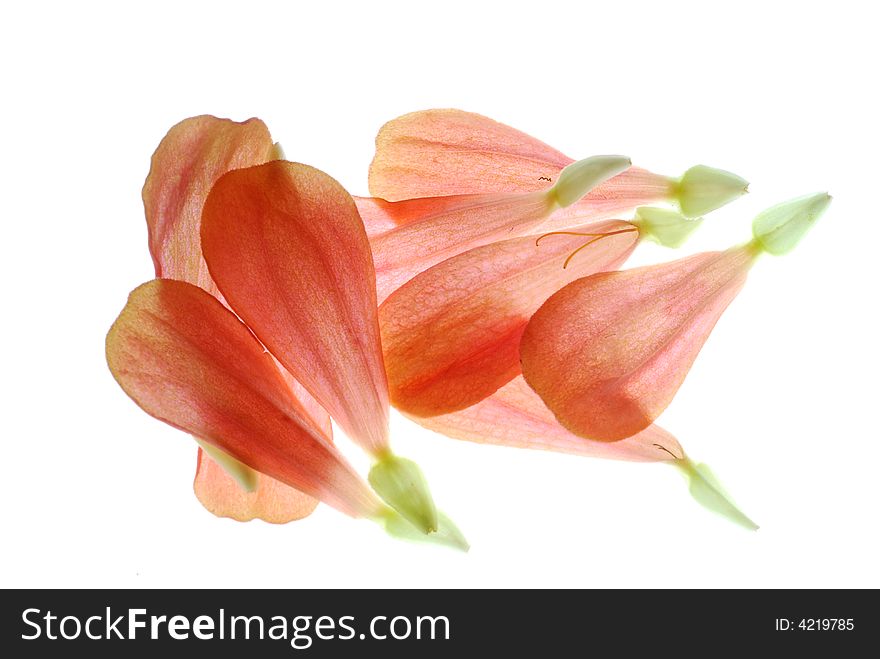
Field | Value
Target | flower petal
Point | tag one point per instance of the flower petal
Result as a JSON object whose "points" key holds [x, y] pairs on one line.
{"points": [[515, 416], [434, 153], [450, 152], [379, 216], [187, 360], [442, 227], [190, 158], [451, 335], [286, 246], [608, 352], [272, 501]]}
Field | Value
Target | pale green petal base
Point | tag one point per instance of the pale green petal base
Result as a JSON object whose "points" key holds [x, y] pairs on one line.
{"points": [[446, 535], [707, 491], [664, 226], [580, 177], [703, 189], [402, 485]]}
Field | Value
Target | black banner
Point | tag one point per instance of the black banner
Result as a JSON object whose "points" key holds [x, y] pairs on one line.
{"points": [[333, 623]]}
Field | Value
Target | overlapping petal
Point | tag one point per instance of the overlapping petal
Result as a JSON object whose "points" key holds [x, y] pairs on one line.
{"points": [[515, 416], [187, 163], [434, 153], [451, 335], [189, 160], [608, 352], [187, 360], [430, 230], [451, 152], [446, 226], [272, 501], [288, 250]]}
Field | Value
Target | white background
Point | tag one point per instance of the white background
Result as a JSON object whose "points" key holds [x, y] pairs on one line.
{"points": [[782, 401]]}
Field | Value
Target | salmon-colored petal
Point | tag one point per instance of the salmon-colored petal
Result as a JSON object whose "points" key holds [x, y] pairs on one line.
{"points": [[434, 153], [447, 226], [515, 416], [616, 197], [608, 352], [191, 157], [187, 360], [442, 227], [451, 335], [377, 215], [272, 501], [450, 152], [286, 246]]}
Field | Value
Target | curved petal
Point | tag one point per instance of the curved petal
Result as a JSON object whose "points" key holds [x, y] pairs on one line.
{"points": [[515, 416], [451, 335], [189, 159], [272, 500], [435, 153], [286, 246], [608, 352], [450, 152], [187, 360]]}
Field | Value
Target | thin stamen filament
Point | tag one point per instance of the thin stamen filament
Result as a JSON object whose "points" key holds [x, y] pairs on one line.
{"points": [[596, 237]]}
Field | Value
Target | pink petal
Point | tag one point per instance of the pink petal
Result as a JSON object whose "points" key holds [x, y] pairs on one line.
{"points": [[451, 335], [190, 158], [608, 352], [435, 153], [450, 152], [515, 416], [272, 501], [286, 246], [187, 360]]}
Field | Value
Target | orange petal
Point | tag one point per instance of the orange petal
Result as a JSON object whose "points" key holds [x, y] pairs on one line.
{"points": [[608, 352], [377, 215], [434, 153], [191, 157], [187, 360], [451, 335], [515, 416], [286, 246]]}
